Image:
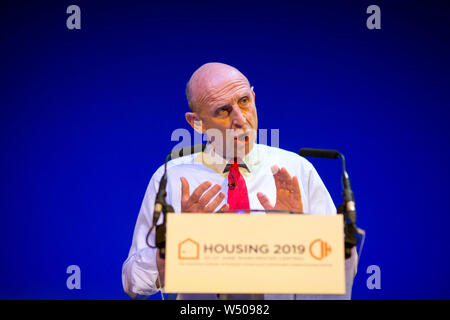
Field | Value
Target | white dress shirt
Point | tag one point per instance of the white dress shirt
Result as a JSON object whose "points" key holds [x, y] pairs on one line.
{"points": [[139, 272]]}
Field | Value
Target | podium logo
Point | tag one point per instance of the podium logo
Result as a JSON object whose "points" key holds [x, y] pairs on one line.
{"points": [[319, 249], [188, 250]]}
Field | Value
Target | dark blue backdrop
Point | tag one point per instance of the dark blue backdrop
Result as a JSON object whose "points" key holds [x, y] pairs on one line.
{"points": [[87, 115]]}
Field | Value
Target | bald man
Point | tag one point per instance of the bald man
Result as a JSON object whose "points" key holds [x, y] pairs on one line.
{"points": [[232, 173]]}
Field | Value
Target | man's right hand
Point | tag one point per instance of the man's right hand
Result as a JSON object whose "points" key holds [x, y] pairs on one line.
{"points": [[199, 201]]}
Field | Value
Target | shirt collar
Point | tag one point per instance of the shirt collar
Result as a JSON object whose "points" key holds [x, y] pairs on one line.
{"points": [[213, 160], [241, 165]]}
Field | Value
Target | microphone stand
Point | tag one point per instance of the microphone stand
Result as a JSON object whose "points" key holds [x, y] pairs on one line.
{"points": [[347, 209], [161, 206], [349, 212]]}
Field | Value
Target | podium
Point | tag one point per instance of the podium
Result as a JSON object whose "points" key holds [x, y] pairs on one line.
{"points": [[277, 253]]}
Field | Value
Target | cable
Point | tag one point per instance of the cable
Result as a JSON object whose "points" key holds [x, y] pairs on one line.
{"points": [[161, 288]]}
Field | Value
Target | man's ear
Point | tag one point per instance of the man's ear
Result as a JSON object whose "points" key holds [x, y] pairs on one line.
{"points": [[195, 122], [253, 92]]}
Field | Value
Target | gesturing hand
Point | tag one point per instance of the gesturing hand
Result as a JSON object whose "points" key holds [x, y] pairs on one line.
{"points": [[199, 201], [288, 192]]}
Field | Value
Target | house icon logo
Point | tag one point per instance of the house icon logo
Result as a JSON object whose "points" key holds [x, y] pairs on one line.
{"points": [[188, 250]]}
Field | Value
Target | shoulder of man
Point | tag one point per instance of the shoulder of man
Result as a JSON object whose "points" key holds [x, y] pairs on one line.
{"points": [[285, 157], [185, 160]]}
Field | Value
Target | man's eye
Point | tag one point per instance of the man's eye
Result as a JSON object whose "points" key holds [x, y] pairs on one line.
{"points": [[222, 110], [244, 100]]}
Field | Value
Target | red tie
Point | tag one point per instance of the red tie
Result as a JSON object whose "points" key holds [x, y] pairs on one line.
{"points": [[237, 189]]}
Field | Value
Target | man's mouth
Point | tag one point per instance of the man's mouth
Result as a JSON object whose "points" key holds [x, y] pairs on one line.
{"points": [[243, 137]]}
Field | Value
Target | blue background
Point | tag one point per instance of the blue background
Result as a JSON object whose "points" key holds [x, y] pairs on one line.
{"points": [[87, 115]]}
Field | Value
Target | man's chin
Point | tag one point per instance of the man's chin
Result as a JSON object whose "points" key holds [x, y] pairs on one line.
{"points": [[234, 149], [240, 150]]}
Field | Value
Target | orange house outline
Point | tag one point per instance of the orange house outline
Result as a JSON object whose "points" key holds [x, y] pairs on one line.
{"points": [[182, 255]]}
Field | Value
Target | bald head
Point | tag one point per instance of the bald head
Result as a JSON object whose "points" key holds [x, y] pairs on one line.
{"points": [[211, 81]]}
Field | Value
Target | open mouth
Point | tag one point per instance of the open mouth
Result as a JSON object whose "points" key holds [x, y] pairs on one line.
{"points": [[243, 137]]}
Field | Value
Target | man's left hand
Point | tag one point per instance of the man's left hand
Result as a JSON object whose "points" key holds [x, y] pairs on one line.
{"points": [[288, 192]]}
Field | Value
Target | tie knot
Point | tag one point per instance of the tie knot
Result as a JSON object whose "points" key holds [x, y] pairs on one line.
{"points": [[234, 165]]}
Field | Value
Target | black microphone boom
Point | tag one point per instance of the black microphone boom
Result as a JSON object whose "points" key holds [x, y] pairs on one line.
{"points": [[187, 151], [334, 154], [319, 153], [349, 210]]}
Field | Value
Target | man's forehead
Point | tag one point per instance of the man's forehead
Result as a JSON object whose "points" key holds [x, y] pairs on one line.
{"points": [[219, 97], [224, 91]]}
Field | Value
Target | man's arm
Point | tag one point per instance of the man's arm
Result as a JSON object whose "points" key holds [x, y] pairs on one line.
{"points": [[139, 271]]}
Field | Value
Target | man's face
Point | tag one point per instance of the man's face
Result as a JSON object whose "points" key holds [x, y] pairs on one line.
{"points": [[228, 107]]}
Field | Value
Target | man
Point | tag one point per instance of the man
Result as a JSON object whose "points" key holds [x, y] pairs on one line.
{"points": [[233, 173]]}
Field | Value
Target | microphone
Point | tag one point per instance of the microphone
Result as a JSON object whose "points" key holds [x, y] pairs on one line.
{"points": [[187, 151], [319, 153], [161, 206], [350, 229], [334, 154]]}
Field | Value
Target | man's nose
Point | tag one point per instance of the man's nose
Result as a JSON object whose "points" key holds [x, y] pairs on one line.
{"points": [[237, 117]]}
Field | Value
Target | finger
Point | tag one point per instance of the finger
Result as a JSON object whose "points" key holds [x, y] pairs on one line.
{"points": [[265, 202], [195, 196], [224, 208], [276, 175], [285, 174], [281, 177], [275, 169], [296, 188], [206, 198], [184, 190], [284, 178], [290, 184], [215, 203], [297, 194]]}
